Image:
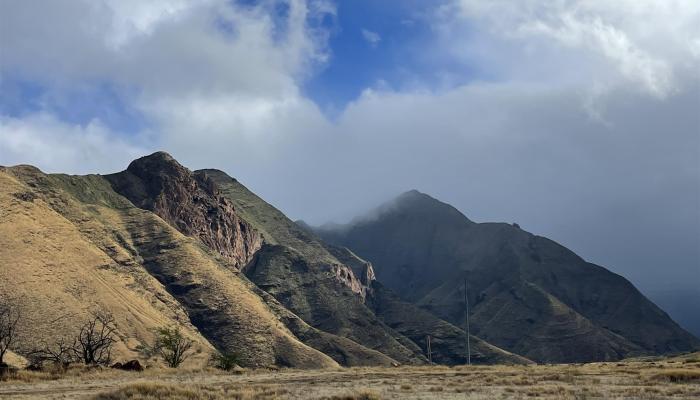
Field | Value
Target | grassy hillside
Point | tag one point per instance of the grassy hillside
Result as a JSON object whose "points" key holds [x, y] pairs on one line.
{"points": [[61, 264], [529, 295], [77, 245]]}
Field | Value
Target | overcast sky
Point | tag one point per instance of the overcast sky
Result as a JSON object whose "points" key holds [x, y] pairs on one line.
{"points": [[580, 120]]}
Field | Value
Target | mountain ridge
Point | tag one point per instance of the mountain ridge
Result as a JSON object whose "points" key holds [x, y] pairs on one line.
{"points": [[201, 253], [529, 293], [158, 244]]}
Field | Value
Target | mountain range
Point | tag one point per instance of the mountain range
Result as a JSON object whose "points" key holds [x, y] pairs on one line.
{"points": [[160, 245], [528, 294]]}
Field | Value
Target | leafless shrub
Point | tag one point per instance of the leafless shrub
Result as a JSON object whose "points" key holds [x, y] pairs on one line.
{"points": [[10, 317], [93, 345]]}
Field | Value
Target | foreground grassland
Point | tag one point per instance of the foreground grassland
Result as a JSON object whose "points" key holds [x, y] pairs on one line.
{"points": [[676, 379]]}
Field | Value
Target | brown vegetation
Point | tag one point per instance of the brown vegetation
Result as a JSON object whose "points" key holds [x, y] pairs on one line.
{"points": [[9, 322], [657, 379], [156, 391]]}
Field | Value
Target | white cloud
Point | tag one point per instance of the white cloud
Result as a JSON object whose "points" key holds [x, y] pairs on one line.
{"points": [[55, 146], [202, 69], [646, 42], [131, 18], [372, 38], [250, 130], [166, 46]]}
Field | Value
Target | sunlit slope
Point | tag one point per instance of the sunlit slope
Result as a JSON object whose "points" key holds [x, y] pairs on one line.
{"points": [[59, 276], [93, 242]]}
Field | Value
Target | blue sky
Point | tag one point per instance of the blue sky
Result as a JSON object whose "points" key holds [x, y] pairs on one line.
{"points": [[557, 115], [76, 105], [397, 59], [402, 57]]}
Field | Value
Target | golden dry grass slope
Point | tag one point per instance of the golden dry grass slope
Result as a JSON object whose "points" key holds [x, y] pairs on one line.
{"points": [[70, 246]]}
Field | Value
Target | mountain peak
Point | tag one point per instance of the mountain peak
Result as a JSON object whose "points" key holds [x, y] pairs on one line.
{"points": [[188, 201], [416, 202], [158, 156], [152, 163], [412, 193], [216, 173], [421, 208]]}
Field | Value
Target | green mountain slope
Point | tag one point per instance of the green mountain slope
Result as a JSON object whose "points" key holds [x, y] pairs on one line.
{"points": [[529, 295], [329, 287]]}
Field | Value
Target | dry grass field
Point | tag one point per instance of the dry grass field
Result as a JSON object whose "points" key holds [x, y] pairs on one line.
{"points": [[677, 378]]}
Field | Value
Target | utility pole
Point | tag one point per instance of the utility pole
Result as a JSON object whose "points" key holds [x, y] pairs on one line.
{"points": [[467, 345], [430, 351]]}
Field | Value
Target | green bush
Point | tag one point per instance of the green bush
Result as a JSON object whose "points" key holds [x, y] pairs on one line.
{"points": [[171, 346], [224, 361]]}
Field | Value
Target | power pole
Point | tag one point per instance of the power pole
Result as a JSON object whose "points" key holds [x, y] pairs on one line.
{"points": [[430, 351], [467, 345]]}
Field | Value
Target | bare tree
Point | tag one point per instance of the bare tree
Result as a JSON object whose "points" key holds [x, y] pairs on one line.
{"points": [[95, 340], [9, 323], [172, 346]]}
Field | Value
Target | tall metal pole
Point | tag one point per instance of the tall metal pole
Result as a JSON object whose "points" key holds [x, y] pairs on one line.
{"points": [[430, 350], [466, 323]]}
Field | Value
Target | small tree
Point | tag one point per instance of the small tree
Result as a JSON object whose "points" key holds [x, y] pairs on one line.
{"points": [[172, 346], [94, 343], [224, 361], [9, 324]]}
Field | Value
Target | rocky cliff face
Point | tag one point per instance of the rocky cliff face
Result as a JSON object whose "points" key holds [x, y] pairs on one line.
{"points": [[190, 202], [340, 263], [356, 273]]}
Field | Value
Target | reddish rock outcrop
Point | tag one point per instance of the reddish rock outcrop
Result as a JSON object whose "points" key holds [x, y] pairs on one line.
{"points": [[358, 283], [190, 202], [344, 275]]}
